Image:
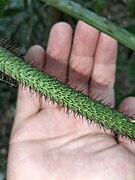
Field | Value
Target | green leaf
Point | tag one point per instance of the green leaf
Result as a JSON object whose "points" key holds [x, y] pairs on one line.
{"points": [[12, 11], [132, 66], [98, 6], [132, 8], [79, 12], [3, 4]]}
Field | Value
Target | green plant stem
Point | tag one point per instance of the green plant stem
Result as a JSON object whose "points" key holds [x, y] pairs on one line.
{"points": [[77, 11], [64, 95]]}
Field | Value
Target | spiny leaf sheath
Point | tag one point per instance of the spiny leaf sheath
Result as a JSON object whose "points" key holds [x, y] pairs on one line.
{"points": [[64, 95]]}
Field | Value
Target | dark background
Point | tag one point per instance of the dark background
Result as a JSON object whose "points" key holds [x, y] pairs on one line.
{"points": [[28, 22]]}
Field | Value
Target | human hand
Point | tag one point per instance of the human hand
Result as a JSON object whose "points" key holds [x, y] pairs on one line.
{"points": [[47, 144]]}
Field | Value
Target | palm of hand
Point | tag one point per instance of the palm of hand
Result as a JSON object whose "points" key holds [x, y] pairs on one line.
{"points": [[45, 142]]}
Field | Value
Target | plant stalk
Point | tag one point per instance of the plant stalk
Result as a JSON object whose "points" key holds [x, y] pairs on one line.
{"points": [[65, 96], [80, 13]]}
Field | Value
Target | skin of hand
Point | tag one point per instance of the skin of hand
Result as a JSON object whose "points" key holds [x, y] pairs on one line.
{"points": [[48, 144]]}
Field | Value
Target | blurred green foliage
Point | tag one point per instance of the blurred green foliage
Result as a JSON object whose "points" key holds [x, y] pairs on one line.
{"points": [[3, 4], [28, 22]]}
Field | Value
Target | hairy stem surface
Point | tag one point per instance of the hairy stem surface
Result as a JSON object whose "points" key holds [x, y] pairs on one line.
{"points": [[64, 95]]}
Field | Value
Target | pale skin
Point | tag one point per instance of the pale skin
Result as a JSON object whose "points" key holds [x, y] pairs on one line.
{"points": [[47, 144]]}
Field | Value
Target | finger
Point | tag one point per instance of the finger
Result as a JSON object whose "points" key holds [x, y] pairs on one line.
{"points": [[58, 50], [28, 101], [81, 60], [127, 106], [103, 75]]}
